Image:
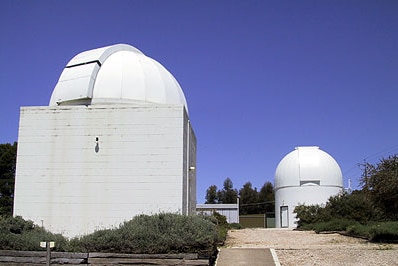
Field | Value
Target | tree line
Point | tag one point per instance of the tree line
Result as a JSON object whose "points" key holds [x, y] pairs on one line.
{"points": [[8, 159], [251, 201]]}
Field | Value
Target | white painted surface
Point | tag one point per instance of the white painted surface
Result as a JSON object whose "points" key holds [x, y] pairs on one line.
{"points": [[100, 54], [284, 216], [293, 196], [73, 185], [76, 83], [113, 75], [307, 176]]}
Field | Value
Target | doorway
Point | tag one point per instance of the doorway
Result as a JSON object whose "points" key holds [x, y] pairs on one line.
{"points": [[284, 216]]}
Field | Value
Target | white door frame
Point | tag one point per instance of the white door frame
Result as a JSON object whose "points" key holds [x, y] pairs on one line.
{"points": [[284, 216]]}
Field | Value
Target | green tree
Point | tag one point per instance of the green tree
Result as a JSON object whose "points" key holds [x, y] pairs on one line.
{"points": [[266, 196], [380, 182], [228, 194], [211, 195], [352, 206], [8, 157], [248, 199], [309, 214]]}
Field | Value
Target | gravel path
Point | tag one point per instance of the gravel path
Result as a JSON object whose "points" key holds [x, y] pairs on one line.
{"points": [[308, 248]]}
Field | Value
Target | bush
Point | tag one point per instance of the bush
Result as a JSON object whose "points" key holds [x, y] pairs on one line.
{"points": [[384, 232], [332, 225], [380, 183], [160, 233], [358, 230], [340, 210], [235, 226], [376, 232], [222, 225], [19, 234], [309, 214], [15, 225], [355, 206]]}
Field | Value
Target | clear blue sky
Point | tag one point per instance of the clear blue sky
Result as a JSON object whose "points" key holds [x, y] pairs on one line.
{"points": [[260, 77]]}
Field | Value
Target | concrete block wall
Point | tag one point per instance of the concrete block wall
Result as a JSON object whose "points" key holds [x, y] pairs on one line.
{"points": [[287, 198], [84, 168]]}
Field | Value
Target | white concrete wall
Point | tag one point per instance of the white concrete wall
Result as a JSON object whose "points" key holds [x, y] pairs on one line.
{"points": [[293, 196], [72, 185]]}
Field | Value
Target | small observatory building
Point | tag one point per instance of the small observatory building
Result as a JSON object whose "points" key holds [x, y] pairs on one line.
{"points": [[307, 176], [115, 142]]}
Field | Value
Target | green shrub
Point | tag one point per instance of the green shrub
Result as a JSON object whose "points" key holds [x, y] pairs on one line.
{"points": [[358, 230], [102, 240], [160, 233], [384, 232], [355, 206], [332, 225], [221, 219], [15, 225], [309, 214], [222, 226], [19, 234], [376, 232], [235, 226], [342, 207]]}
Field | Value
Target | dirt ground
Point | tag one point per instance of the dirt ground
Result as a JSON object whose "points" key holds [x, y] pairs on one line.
{"points": [[309, 248]]}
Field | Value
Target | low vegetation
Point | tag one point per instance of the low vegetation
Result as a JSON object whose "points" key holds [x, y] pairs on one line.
{"points": [[160, 233], [19, 234], [375, 231], [370, 213]]}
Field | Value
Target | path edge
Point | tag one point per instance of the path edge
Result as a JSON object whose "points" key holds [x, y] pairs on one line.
{"points": [[275, 257]]}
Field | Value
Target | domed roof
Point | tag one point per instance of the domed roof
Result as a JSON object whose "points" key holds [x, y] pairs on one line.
{"points": [[308, 166], [116, 74]]}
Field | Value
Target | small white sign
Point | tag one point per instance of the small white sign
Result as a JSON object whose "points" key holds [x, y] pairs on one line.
{"points": [[44, 244]]}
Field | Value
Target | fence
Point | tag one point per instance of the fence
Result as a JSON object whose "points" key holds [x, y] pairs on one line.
{"points": [[257, 220], [33, 258]]}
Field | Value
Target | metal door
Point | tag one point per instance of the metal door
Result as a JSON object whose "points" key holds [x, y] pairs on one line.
{"points": [[284, 216]]}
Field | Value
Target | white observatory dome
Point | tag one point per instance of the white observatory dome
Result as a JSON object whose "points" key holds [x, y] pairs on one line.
{"points": [[308, 166], [307, 176], [116, 74]]}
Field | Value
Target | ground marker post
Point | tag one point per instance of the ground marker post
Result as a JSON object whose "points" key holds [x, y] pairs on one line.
{"points": [[48, 245]]}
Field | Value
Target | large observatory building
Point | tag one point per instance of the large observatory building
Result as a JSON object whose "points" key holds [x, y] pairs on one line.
{"points": [[114, 142], [307, 176]]}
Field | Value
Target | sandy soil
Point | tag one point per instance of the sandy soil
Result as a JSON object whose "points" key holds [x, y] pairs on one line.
{"points": [[309, 248]]}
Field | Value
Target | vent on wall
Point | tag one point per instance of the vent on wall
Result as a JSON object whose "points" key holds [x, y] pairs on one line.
{"points": [[310, 183]]}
